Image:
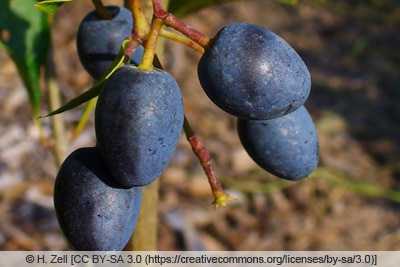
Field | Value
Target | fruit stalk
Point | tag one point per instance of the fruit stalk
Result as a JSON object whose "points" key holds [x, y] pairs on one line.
{"points": [[193, 34], [103, 12], [182, 39], [172, 21], [141, 26], [220, 196], [150, 44]]}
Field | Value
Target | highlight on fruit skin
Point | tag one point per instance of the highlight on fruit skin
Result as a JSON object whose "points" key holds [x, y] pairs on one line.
{"points": [[286, 147], [94, 211], [252, 73], [138, 123]]}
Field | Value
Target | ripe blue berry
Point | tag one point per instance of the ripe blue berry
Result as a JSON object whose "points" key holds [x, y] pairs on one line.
{"points": [[99, 41], [252, 73], [93, 210], [138, 123], [286, 146]]}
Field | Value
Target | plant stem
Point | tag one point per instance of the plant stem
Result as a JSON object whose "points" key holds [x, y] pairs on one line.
{"points": [[151, 44], [220, 196], [102, 12], [145, 235], [141, 27], [188, 31], [84, 117], [60, 145], [172, 21], [182, 39]]}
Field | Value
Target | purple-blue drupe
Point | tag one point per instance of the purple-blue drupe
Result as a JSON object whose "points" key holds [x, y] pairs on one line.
{"points": [[252, 73], [99, 41], [95, 212], [286, 147], [138, 123]]}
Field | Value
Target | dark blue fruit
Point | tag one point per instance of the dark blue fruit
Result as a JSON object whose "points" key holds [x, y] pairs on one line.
{"points": [[93, 210], [286, 146], [99, 41], [138, 123], [252, 73]]}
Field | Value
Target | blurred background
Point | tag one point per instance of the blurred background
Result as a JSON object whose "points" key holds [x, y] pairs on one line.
{"points": [[352, 200]]}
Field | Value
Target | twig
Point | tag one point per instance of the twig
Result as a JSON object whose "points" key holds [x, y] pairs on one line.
{"points": [[102, 12], [220, 196], [60, 146]]}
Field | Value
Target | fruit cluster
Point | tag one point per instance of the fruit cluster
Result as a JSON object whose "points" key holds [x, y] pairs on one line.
{"points": [[246, 70], [253, 74]]}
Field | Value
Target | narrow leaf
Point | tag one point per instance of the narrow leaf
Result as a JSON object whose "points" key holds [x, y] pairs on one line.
{"points": [[95, 90], [50, 6], [78, 100], [25, 36]]}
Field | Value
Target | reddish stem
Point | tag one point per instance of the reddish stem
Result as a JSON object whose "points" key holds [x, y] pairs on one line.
{"points": [[160, 17], [185, 29], [177, 24], [158, 10], [207, 163]]}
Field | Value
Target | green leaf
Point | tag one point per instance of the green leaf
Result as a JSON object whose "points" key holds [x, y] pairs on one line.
{"points": [[78, 100], [181, 8], [50, 6], [25, 36], [95, 90]]}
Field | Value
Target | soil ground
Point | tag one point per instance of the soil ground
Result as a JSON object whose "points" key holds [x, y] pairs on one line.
{"points": [[352, 200]]}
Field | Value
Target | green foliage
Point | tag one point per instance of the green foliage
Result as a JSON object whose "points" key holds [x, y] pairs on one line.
{"points": [[78, 100], [26, 38], [50, 6], [181, 8], [95, 90]]}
